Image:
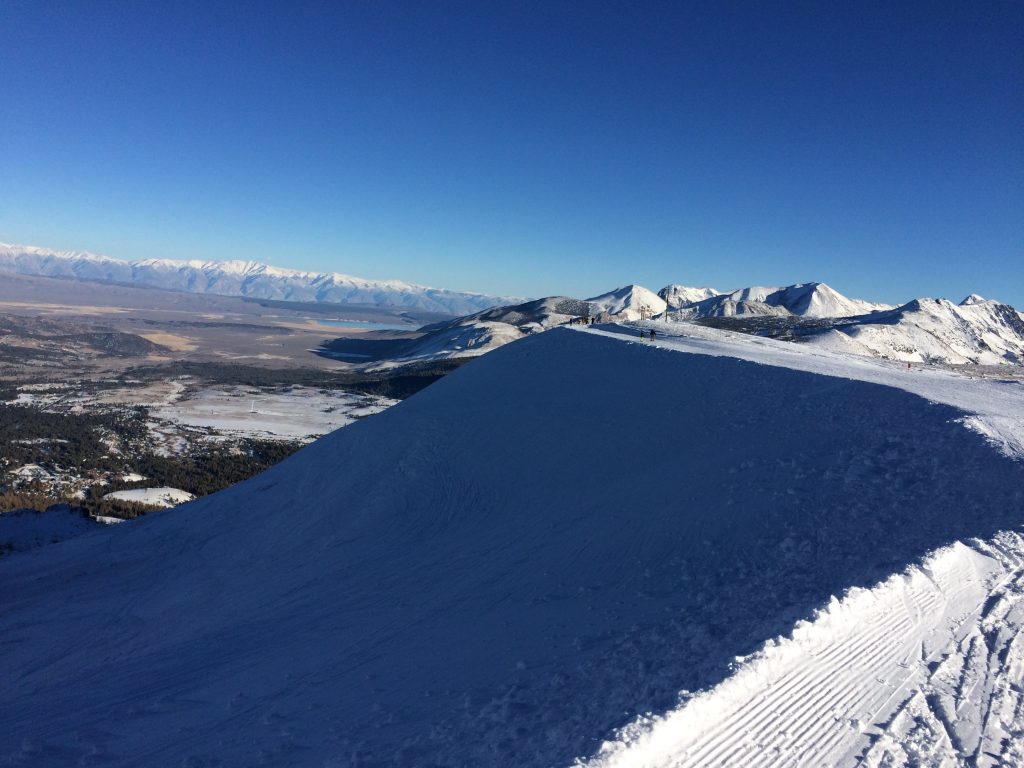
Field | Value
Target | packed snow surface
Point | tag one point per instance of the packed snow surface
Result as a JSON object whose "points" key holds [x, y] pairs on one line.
{"points": [[546, 546]]}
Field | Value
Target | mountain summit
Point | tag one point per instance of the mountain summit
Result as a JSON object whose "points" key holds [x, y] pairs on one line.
{"points": [[631, 302]]}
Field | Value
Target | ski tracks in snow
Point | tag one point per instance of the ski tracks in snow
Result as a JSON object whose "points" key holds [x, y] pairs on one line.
{"points": [[924, 669], [970, 706]]}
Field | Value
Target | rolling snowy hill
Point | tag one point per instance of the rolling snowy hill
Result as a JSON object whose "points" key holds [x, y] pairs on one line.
{"points": [[468, 336], [544, 545], [482, 332], [934, 330], [241, 278]]}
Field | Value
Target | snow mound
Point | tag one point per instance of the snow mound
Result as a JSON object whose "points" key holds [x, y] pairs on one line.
{"points": [[500, 570], [156, 497], [631, 302]]}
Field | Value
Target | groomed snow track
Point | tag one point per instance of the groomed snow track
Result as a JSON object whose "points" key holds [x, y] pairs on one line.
{"points": [[926, 669], [546, 544]]}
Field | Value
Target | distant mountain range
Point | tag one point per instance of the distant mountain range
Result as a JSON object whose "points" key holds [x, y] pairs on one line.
{"points": [[242, 278], [923, 330]]}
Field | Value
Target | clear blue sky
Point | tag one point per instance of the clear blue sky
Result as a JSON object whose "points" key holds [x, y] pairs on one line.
{"points": [[528, 148]]}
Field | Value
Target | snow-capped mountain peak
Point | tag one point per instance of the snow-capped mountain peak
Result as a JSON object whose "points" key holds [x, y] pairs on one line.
{"points": [[973, 299], [630, 302], [807, 300]]}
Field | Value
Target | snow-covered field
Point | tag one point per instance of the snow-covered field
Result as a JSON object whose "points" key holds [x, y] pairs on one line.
{"points": [[156, 497], [550, 544], [287, 413]]}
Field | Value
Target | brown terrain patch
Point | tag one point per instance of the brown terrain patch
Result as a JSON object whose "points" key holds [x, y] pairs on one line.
{"points": [[171, 341]]}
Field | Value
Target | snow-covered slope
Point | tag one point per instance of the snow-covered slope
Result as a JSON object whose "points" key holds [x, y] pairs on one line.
{"points": [[803, 300], [509, 565], [631, 302], [463, 340], [926, 668], [485, 331], [25, 529], [975, 331], [532, 315], [240, 278]]}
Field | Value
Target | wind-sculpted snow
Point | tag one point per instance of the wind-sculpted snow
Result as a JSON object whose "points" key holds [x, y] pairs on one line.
{"points": [[499, 571]]}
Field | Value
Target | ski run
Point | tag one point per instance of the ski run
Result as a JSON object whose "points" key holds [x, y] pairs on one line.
{"points": [[582, 549]]}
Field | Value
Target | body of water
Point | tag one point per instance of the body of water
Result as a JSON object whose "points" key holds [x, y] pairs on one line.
{"points": [[369, 326]]}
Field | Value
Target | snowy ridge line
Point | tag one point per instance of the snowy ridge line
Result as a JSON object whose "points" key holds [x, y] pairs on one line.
{"points": [[925, 668], [994, 409], [308, 616], [846, 686]]}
